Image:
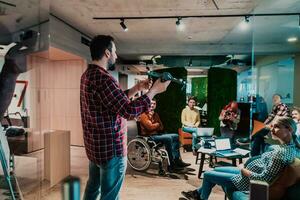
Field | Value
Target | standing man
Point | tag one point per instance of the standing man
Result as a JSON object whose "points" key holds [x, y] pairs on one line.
{"points": [[190, 119], [103, 109], [279, 109]]}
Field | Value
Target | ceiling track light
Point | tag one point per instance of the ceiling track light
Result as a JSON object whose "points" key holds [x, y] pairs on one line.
{"points": [[123, 25], [178, 21], [247, 18]]}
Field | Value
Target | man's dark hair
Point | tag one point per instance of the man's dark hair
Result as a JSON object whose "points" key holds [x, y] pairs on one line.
{"points": [[192, 98], [99, 44]]}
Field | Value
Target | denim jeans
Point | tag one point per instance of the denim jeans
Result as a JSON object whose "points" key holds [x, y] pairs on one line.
{"points": [[219, 176], [106, 179], [171, 142], [194, 132]]}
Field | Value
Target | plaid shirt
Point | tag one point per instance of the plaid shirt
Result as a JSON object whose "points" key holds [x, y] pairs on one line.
{"points": [[268, 166], [103, 109], [279, 110]]}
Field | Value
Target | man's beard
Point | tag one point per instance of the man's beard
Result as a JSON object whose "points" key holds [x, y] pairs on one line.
{"points": [[111, 65]]}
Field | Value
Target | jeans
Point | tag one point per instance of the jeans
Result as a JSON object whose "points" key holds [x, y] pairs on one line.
{"points": [[171, 142], [106, 179], [258, 142], [219, 176], [194, 132]]}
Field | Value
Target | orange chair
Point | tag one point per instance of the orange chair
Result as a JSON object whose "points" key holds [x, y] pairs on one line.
{"points": [[185, 139]]}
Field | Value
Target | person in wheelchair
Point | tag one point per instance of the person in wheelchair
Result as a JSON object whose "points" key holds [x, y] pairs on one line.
{"points": [[152, 126]]}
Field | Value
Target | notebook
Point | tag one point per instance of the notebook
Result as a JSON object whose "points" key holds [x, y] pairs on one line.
{"points": [[223, 147]]}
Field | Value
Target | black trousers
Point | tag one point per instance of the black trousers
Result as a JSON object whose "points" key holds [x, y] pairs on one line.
{"points": [[258, 142]]}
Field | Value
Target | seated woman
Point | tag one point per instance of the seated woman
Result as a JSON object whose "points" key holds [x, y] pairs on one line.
{"points": [[190, 119], [229, 119], [152, 126], [265, 167]]}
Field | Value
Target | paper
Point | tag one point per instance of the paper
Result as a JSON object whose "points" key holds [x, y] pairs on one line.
{"points": [[241, 151], [204, 150]]}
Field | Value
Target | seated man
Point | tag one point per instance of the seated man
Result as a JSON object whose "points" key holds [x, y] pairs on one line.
{"points": [[264, 168], [258, 140], [151, 125], [190, 119], [296, 118]]}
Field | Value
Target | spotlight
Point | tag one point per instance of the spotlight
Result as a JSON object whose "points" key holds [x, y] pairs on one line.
{"points": [[123, 25], [247, 19], [179, 24], [178, 21], [292, 39]]}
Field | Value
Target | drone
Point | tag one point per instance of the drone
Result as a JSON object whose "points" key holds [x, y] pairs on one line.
{"points": [[166, 76]]}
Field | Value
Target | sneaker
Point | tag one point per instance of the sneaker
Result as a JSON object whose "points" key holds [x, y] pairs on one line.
{"points": [[191, 195], [180, 163]]}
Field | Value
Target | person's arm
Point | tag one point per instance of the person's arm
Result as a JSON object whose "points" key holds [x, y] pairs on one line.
{"points": [[283, 110], [118, 102], [237, 119], [183, 118], [147, 124], [271, 116], [140, 86], [197, 120], [272, 168], [221, 116], [161, 126]]}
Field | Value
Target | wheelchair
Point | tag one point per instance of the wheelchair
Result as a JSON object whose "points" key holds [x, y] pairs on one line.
{"points": [[142, 151]]}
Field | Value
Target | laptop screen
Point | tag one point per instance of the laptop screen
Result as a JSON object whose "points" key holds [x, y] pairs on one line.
{"points": [[222, 144], [202, 132]]}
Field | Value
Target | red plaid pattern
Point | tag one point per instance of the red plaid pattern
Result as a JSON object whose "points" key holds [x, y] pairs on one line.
{"points": [[103, 109]]}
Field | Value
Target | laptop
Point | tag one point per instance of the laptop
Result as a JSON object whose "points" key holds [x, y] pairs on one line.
{"points": [[223, 147], [205, 132]]}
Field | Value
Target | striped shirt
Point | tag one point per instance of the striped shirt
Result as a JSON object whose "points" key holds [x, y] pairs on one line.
{"points": [[103, 109], [268, 166]]}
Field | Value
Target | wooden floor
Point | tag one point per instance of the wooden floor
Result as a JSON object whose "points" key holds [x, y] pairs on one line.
{"points": [[146, 186]]}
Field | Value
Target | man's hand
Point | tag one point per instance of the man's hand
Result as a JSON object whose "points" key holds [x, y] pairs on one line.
{"points": [[246, 172], [144, 84], [158, 87]]}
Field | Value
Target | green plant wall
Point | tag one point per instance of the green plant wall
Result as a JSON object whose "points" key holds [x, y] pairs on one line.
{"points": [[171, 102], [222, 88], [199, 89]]}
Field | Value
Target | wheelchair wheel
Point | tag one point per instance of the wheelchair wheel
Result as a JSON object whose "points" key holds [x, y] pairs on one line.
{"points": [[139, 155]]}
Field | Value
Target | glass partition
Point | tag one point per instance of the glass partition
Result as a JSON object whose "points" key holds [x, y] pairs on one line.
{"points": [[24, 41], [276, 48]]}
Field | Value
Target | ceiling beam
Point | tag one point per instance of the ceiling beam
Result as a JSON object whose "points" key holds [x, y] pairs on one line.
{"points": [[197, 16]]}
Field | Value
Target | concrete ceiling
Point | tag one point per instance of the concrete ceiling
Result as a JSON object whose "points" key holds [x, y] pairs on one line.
{"points": [[201, 36]]}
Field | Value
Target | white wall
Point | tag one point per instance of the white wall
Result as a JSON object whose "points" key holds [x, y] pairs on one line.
{"points": [[276, 78]]}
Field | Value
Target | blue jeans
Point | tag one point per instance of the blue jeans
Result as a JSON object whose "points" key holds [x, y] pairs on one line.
{"points": [[194, 132], [106, 179], [171, 142], [219, 176]]}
